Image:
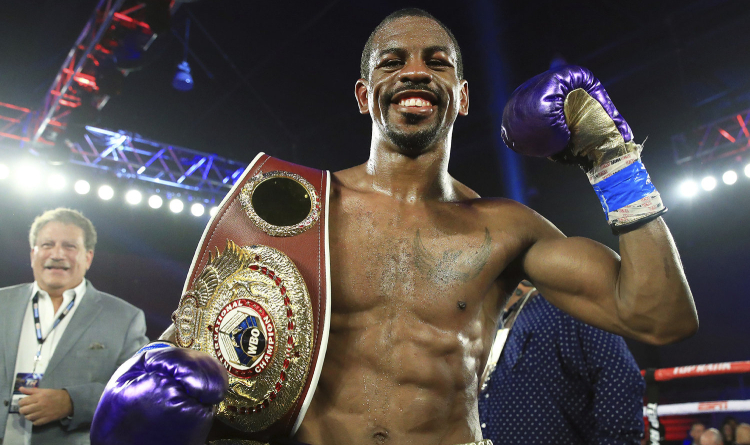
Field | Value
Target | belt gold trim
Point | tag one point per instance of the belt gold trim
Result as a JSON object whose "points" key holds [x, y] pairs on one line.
{"points": [[257, 295]]}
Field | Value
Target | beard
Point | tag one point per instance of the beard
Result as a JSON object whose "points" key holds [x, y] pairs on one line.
{"points": [[412, 142]]}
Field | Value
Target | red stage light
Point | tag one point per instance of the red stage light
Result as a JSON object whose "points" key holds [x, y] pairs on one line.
{"points": [[742, 124], [727, 135]]}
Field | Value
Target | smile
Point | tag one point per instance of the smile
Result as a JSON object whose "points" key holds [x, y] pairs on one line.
{"points": [[414, 102]]}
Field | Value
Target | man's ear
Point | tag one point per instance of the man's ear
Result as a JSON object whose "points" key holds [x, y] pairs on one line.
{"points": [[89, 259], [463, 108], [360, 93]]}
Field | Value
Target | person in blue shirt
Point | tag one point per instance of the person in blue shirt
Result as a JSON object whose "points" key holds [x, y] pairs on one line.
{"points": [[560, 381]]}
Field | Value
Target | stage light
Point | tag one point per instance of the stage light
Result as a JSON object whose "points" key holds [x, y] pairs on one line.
{"points": [[197, 209], [56, 181], [155, 201], [689, 188], [106, 192], [176, 205], [729, 177], [183, 81], [133, 197], [28, 177], [214, 210], [747, 170], [82, 187], [4, 171], [708, 183]]}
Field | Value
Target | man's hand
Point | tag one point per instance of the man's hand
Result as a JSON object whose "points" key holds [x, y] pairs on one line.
{"points": [[43, 406]]}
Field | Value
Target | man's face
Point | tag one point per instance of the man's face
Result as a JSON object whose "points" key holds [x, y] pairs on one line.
{"points": [[696, 431], [60, 259], [413, 94]]}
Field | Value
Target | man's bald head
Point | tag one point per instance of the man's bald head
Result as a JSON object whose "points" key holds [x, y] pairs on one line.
{"points": [[742, 434], [364, 64], [712, 436]]}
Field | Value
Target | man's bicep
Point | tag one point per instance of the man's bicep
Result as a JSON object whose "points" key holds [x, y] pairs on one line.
{"points": [[579, 276]]}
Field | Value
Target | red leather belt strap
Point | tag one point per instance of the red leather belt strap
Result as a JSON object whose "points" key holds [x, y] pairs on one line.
{"points": [[307, 250]]}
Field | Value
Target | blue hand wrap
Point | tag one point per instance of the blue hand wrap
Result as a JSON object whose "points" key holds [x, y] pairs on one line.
{"points": [[627, 186], [159, 344], [625, 191]]}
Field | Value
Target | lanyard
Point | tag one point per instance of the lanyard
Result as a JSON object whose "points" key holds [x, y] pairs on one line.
{"points": [[38, 324]]}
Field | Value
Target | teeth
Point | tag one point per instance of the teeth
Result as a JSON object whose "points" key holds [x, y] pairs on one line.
{"points": [[414, 102]]}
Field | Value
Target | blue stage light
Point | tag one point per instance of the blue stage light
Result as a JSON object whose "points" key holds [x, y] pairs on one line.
{"points": [[183, 81]]}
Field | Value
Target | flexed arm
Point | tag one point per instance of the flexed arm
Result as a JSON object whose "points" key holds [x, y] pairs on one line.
{"points": [[568, 116]]}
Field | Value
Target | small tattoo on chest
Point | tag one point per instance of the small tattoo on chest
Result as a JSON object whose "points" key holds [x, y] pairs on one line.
{"points": [[452, 264]]}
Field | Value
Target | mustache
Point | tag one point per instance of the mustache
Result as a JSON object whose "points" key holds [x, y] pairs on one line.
{"points": [[61, 264], [411, 86]]}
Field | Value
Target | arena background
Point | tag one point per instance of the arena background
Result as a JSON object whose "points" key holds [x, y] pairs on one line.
{"points": [[281, 81]]}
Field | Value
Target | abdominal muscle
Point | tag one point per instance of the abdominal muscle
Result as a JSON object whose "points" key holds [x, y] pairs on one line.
{"points": [[394, 378]]}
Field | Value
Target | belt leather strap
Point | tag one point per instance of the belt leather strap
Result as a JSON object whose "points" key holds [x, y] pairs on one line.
{"points": [[233, 229]]}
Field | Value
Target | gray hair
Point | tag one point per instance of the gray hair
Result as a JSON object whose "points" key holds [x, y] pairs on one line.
{"points": [[65, 216], [713, 436]]}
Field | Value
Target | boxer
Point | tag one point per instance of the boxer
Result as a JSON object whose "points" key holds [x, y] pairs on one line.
{"points": [[421, 265]]}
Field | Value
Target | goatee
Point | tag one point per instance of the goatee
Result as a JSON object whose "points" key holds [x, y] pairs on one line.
{"points": [[412, 143]]}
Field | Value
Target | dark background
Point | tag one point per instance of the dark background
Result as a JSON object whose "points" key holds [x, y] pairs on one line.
{"points": [[281, 81]]}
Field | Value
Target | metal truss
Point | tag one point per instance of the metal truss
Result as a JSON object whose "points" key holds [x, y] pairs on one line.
{"points": [[17, 124], [720, 139], [62, 95], [131, 156], [127, 155]]}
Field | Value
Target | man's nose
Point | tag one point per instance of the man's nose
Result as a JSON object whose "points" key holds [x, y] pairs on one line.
{"points": [[415, 71], [58, 252]]}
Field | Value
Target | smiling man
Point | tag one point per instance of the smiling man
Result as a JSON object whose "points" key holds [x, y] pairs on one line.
{"points": [[63, 338], [421, 266]]}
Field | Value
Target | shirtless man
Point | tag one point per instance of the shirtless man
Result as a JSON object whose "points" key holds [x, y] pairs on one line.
{"points": [[423, 265]]}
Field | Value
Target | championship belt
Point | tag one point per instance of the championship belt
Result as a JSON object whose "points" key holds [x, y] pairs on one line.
{"points": [[257, 296]]}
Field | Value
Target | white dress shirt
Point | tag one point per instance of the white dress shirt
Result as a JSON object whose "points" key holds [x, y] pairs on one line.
{"points": [[17, 429]]}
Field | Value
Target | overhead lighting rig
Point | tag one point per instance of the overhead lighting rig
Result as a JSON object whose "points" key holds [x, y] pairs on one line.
{"points": [[110, 46]]}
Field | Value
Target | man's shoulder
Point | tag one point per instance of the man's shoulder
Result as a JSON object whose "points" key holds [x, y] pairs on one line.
{"points": [[112, 301], [15, 288], [512, 216]]}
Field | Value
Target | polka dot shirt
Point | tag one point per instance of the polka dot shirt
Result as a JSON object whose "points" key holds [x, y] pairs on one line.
{"points": [[560, 381]]}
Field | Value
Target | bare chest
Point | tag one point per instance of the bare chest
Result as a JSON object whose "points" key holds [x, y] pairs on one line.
{"points": [[434, 263]]}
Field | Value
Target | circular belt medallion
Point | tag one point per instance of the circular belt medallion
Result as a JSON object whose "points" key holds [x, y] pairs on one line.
{"points": [[244, 338], [251, 310], [280, 203]]}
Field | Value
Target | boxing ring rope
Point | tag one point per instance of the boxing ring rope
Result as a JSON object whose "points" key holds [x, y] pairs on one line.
{"points": [[683, 409], [664, 374], [652, 412]]}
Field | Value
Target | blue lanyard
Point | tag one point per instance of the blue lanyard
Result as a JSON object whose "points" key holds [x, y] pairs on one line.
{"points": [[38, 324]]}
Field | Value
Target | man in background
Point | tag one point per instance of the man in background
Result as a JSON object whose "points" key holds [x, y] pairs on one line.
{"points": [[712, 436], [696, 430], [559, 380], [63, 338], [742, 434]]}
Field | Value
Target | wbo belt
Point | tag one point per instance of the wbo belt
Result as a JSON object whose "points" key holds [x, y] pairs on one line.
{"points": [[257, 296], [252, 442]]}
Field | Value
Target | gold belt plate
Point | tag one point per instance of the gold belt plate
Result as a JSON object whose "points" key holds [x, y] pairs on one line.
{"points": [[251, 310]]}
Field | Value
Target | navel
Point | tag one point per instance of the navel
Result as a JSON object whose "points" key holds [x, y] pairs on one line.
{"points": [[380, 437]]}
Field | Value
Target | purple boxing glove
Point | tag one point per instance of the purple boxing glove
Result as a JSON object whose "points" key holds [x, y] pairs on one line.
{"points": [[162, 396], [567, 115]]}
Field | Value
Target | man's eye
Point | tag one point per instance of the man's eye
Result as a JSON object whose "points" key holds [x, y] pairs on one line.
{"points": [[438, 62], [391, 63]]}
